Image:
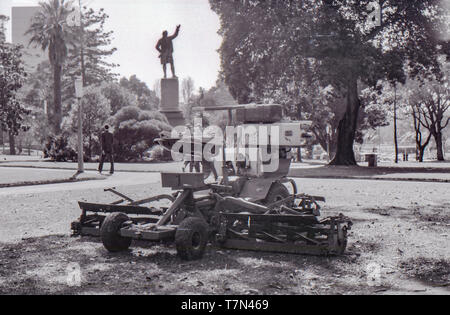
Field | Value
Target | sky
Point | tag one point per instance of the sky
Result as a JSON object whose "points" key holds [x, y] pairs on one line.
{"points": [[137, 26]]}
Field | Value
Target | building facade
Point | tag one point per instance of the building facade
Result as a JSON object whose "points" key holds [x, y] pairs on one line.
{"points": [[21, 18]]}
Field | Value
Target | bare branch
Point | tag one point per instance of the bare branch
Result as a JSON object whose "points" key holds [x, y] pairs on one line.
{"points": [[446, 124]]}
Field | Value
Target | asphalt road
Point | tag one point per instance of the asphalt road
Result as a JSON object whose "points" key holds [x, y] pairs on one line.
{"points": [[118, 179]]}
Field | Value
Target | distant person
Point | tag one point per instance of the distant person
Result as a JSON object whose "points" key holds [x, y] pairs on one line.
{"points": [[107, 150], [165, 48], [208, 168], [189, 159]]}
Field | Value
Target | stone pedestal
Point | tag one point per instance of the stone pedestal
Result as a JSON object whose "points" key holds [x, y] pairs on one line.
{"points": [[170, 102]]}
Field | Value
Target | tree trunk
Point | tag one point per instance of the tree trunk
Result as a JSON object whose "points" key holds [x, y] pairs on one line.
{"points": [[299, 115], [89, 153], [421, 153], [395, 127], [12, 144], [347, 127], [57, 69], [440, 151], [19, 146]]}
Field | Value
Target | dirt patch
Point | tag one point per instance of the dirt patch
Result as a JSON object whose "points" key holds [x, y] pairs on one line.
{"points": [[434, 214], [359, 247], [388, 211], [431, 271], [41, 266]]}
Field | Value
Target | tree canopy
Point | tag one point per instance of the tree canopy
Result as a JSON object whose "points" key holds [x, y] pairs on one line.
{"points": [[95, 48], [146, 98], [12, 77], [275, 50], [49, 31]]}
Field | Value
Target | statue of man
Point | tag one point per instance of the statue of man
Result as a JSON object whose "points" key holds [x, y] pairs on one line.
{"points": [[165, 48]]}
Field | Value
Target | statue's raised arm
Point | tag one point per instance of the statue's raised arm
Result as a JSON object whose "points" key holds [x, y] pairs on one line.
{"points": [[177, 31]]}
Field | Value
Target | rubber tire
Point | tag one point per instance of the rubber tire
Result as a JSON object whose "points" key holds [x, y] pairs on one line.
{"points": [[191, 238], [276, 193], [110, 233]]}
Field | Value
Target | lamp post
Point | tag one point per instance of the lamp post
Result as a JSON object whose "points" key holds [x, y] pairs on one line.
{"points": [[75, 19], [1, 83], [328, 129], [79, 95]]}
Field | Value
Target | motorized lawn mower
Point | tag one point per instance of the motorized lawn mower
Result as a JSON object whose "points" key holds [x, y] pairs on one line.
{"points": [[249, 208]]}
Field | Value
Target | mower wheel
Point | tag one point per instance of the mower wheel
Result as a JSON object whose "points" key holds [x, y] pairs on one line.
{"points": [[276, 193], [191, 238], [110, 233]]}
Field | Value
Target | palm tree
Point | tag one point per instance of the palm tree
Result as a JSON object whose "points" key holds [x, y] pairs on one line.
{"points": [[49, 30]]}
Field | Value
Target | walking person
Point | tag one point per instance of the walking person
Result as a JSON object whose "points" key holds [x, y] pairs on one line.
{"points": [[189, 159], [107, 150]]}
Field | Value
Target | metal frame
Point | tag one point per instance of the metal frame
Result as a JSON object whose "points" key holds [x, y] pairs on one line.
{"points": [[290, 225]]}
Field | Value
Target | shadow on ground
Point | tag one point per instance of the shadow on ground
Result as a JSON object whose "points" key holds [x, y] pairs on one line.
{"points": [[42, 266]]}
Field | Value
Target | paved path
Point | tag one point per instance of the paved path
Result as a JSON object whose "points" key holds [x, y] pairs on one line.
{"points": [[119, 167], [426, 172], [118, 179], [23, 176]]}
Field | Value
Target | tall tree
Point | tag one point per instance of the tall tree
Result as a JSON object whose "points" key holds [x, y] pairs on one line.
{"points": [[92, 51], [276, 46], [96, 110], [187, 89], [157, 90], [218, 95], [36, 94], [430, 104], [118, 96], [146, 98], [3, 20], [421, 141], [391, 98], [12, 77], [50, 31]]}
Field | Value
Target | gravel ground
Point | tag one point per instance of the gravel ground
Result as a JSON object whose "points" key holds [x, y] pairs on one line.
{"points": [[399, 244]]}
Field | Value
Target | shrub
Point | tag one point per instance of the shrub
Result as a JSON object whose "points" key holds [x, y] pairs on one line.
{"points": [[135, 131], [58, 149]]}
